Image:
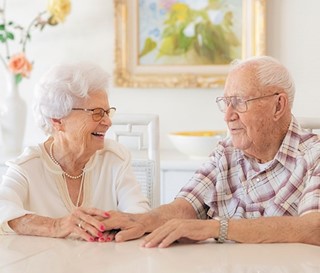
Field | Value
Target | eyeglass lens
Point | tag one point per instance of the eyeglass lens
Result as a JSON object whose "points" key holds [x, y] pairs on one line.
{"points": [[237, 103], [98, 113]]}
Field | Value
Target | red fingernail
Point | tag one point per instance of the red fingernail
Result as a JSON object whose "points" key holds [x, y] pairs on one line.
{"points": [[102, 228], [100, 234], [106, 214], [91, 239], [108, 239]]}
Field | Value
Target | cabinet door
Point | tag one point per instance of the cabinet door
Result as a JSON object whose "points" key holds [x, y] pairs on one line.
{"points": [[171, 183]]}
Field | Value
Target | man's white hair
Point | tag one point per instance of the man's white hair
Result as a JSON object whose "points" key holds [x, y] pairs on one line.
{"points": [[269, 72]]}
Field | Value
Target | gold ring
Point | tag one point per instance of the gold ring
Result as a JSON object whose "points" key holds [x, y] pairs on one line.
{"points": [[80, 224]]}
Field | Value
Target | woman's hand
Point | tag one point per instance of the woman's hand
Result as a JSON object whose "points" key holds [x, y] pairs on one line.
{"points": [[85, 223]]}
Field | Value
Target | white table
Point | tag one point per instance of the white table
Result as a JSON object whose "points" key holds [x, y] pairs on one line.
{"points": [[35, 254]]}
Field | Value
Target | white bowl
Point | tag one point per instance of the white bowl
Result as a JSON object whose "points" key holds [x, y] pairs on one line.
{"points": [[196, 144]]}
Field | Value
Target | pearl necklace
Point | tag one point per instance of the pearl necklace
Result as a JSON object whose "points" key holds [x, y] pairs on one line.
{"points": [[57, 163]]}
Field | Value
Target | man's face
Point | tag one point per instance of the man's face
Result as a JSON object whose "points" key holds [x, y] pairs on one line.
{"points": [[252, 130]]}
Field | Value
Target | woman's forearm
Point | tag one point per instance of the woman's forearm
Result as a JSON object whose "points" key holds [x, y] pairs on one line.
{"points": [[81, 222], [31, 224]]}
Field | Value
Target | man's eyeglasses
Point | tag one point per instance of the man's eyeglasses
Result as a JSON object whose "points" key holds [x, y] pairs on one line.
{"points": [[98, 113], [239, 104]]}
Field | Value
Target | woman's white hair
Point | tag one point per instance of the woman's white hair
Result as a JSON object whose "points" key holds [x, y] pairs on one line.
{"points": [[62, 87], [270, 73]]}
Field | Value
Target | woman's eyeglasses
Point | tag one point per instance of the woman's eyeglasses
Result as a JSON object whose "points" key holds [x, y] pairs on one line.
{"points": [[98, 113]]}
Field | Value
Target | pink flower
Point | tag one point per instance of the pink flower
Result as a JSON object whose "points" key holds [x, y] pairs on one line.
{"points": [[19, 64], [166, 4]]}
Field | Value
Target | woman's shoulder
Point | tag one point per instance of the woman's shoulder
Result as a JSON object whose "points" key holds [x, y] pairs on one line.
{"points": [[115, 148], [30, 153]]}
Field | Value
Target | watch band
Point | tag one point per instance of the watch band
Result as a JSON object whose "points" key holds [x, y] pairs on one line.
{"points": [[223, 230]]}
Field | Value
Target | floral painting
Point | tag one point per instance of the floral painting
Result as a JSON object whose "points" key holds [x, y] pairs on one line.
{"points": [[185, 43], [189, 32]]}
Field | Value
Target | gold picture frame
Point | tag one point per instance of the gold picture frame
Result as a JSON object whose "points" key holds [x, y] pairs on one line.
{"points": [[130, 73]]}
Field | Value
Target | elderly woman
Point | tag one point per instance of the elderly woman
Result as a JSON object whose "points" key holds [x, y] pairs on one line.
{"points": [[64, 186]]}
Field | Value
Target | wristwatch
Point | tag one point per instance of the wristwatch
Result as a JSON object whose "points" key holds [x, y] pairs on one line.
{"points": [[223, 229]]}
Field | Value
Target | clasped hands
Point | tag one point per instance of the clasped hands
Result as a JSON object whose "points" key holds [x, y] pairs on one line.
{"points": [[125, 226], [101, 226]]}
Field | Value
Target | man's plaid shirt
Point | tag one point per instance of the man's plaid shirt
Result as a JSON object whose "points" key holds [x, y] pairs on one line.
{"points": [[232, 185]]}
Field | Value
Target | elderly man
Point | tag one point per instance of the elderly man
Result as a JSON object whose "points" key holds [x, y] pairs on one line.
{"points": [[261, 185]]}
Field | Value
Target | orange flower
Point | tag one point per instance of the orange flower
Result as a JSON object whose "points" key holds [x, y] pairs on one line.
{"points": [[19, 64]]}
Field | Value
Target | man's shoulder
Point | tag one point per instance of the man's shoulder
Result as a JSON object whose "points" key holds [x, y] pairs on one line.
{"points": [[309, 143]]}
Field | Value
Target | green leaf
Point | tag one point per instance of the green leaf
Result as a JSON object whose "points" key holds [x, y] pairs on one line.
{"points": [[184, 42], [2, 39], [214, 47], [2, 27], [149, 45], [10, 35], [18, 78], [168, 46]]}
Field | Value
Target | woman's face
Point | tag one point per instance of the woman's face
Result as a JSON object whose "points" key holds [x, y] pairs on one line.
{"points": [[81, 131]]}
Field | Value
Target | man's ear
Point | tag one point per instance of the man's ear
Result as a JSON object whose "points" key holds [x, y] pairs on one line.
{"points": [[281, 105]]}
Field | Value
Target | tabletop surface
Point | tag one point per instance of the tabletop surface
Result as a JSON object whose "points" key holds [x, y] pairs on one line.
{"points": [[38, 254]]}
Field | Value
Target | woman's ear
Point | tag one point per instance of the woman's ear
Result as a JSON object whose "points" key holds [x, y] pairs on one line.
{"points": [[57, 124], [281, 105]]}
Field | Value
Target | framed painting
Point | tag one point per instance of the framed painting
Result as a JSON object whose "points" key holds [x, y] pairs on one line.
{"points": [[184, 43]]}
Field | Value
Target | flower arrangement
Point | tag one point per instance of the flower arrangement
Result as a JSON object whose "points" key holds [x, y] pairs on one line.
{"points": [[17, 63]]}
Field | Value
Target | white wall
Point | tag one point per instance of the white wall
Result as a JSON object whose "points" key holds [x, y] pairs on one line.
{"points": [[88, 34]]}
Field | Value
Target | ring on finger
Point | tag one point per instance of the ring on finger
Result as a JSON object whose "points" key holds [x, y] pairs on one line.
{"points": [[80, 224]]}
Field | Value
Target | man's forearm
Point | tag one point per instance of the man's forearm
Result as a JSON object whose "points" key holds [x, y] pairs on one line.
{"points": [[178, 209], [285, 229]]}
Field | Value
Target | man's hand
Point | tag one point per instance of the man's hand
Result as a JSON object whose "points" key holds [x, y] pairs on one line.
{"points": [[129, 226], [185, 230]]}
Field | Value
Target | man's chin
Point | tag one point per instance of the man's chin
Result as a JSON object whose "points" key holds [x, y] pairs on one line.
{"points": [[239, 144]]}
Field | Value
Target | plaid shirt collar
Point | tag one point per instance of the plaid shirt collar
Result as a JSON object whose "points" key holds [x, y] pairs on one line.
{"points": [[290, 144]]}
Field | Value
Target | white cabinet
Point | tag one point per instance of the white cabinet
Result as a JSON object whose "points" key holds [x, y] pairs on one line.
{"points": [[176, 170]]}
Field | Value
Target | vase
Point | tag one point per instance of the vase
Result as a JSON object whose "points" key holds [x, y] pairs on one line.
{"points": [[13, 120]]}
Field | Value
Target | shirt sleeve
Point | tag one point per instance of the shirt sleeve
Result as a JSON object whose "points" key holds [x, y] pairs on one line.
{"points": [[310, 201], [13, 193], [200, 188]]}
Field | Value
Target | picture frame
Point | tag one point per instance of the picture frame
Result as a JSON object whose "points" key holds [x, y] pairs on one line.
{"points": [[133, 71]]}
